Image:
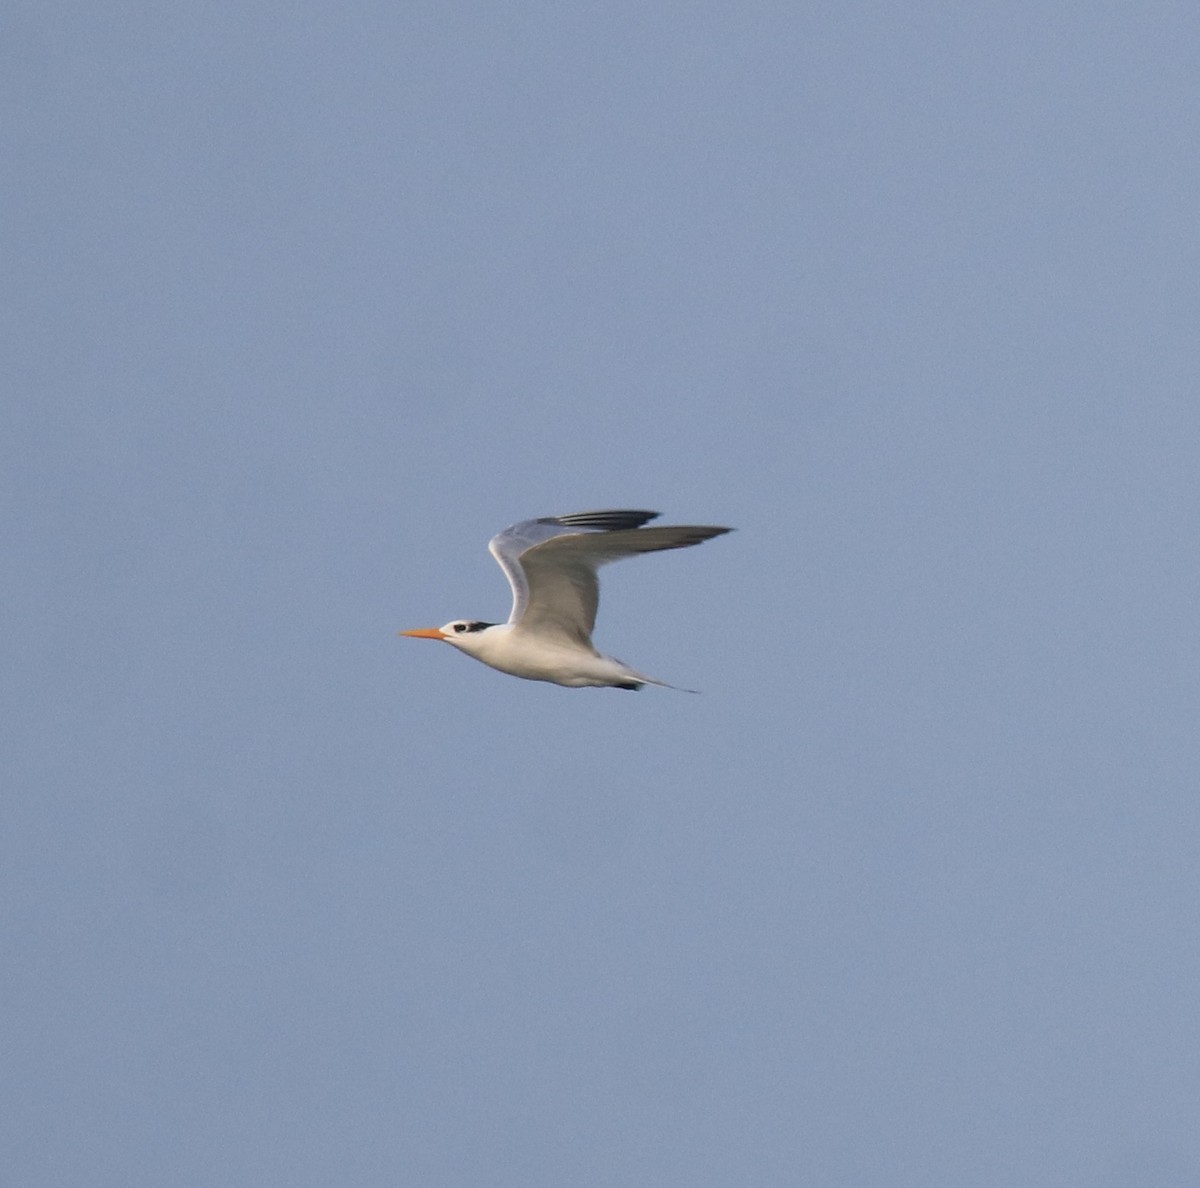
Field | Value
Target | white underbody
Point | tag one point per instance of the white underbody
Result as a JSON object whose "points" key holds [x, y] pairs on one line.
{"points": [[553, 658]]}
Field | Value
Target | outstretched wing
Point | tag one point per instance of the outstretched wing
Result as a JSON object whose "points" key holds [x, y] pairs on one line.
{"points": [[551, 564], [509, 546]]}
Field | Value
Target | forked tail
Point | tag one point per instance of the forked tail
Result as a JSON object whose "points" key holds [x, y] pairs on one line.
{"points": [[638, 679]]}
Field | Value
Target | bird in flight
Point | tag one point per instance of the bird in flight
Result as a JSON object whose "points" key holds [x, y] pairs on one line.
{"points": [[551, 565]]}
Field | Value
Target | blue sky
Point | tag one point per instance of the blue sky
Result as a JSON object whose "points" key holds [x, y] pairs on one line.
{"points": [[306, 302]]}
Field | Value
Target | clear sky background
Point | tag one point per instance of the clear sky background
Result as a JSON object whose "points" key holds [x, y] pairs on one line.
{"points": [[304, 302]]}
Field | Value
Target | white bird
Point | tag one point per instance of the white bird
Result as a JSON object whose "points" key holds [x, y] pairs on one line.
{"points": [[551, 565]]}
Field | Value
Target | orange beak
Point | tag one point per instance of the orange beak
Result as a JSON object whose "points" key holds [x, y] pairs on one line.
{"points": [[425, 633]]}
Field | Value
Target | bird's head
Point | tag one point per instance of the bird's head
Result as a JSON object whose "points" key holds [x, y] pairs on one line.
{"points": [[462, 633]]}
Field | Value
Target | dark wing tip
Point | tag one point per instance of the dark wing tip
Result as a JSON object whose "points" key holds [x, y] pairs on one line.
{"points": [[700, 533], [602, 521]]}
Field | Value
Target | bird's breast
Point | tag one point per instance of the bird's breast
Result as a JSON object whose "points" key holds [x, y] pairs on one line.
{"points": [[543, 658]]}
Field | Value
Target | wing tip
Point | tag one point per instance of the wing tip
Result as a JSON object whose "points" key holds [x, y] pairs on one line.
{"points": [[613, 520]]}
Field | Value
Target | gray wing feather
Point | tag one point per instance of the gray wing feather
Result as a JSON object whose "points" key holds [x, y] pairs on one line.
{"points": [[551, 564]]}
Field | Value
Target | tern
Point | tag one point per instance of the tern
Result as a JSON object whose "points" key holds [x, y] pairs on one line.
{"points": [[551, 565]]}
